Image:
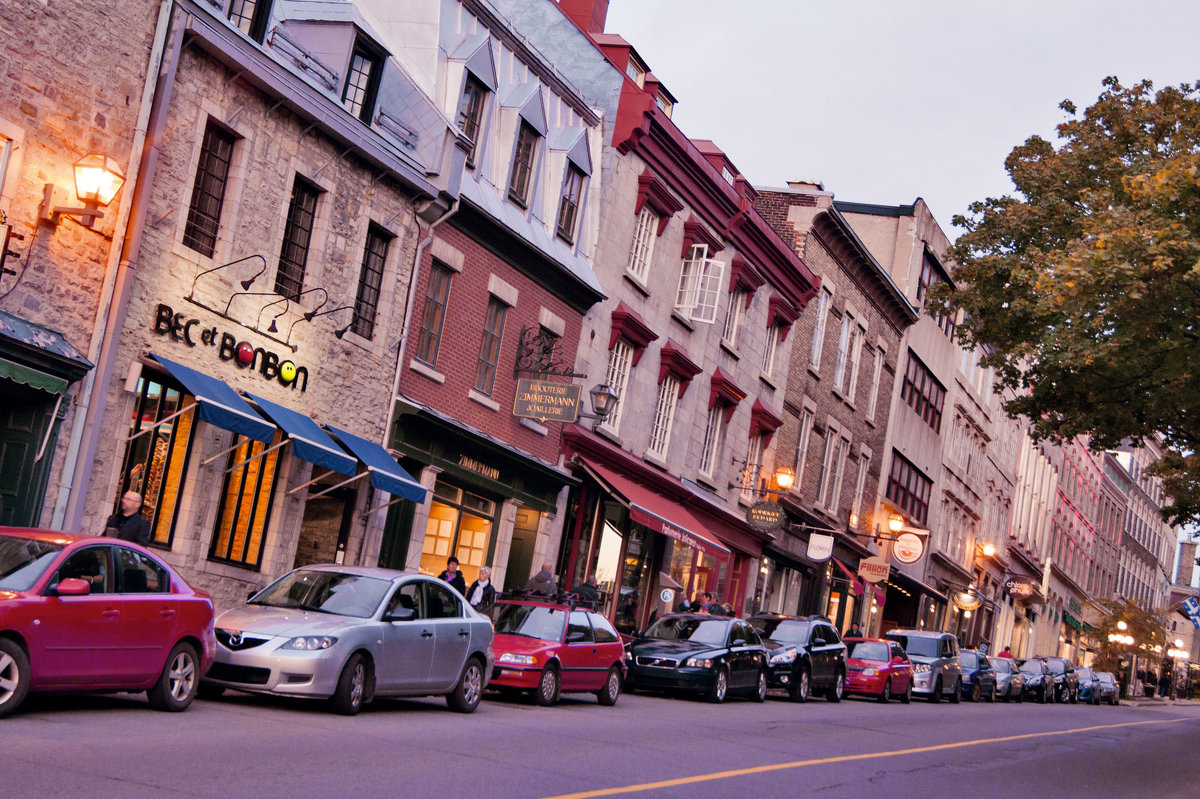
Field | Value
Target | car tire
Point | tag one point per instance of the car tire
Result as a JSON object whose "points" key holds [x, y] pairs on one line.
{"points": [[549, 687], [991, 697], [935, 695], [608, 695], [760, 688], [976, 692], [801, 687], [720, 687], [1021, 696], [1046, 697], [1074, 696], [179, 681], [468, 690], [886, 693], [14, 676], [837, 689], [956, 697], [352, 686], [906, 697]]}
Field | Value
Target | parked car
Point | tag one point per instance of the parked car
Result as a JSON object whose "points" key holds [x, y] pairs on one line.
{"points": [[547, 647], [351, 633], [978, 678], [878, 668], [805, 655], [1066, 684], [1039, 682], [85, 613], [1089, 685], [712, 655], [937, 672], [1108, 690], [1010, 682]]}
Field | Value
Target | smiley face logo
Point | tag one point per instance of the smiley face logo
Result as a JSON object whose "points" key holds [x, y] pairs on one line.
{"points": [[287, 372]]}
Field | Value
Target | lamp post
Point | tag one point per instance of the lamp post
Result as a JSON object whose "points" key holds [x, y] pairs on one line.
{"points": [[98, 178]]}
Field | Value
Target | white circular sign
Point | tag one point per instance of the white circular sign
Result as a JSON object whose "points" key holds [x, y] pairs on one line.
{"points": [[666, 595], [908, 548]]}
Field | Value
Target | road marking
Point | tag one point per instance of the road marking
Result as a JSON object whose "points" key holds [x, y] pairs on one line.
{"points": [[742, 772]]}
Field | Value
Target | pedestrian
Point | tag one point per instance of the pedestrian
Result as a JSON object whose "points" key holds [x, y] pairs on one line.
{"points": [[1164, 682], [588, 592], [855, 631], [482, 593], [128, 524], [543, 582], [1005, 653], [453, 576]]}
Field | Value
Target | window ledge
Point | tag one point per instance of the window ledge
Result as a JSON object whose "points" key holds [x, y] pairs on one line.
{"points": [[426, 371], [708, 481], [540, 429], [483, 399], [870, 420], [682, 320], [731, 349], [768, 379], [604, 431], [655, 459], [636, 284], [813, 370]]}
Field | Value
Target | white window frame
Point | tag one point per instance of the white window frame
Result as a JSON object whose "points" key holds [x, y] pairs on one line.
{"points": [[754, 467], [843, 351], [842, 454], [642, 249], [620, 363], [876, 376], [735, 319], [807, 417], [864, 463], [824, 300], [771, 350], [699, 286], [714, 434], [664, 416], [856, 346]]}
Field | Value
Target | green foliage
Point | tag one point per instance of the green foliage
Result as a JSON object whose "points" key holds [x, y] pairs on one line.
{"points": [[1146, 626], [1084, 285]]}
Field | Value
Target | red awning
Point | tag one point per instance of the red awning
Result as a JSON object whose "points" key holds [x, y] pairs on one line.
{"points": [[657, 512]]}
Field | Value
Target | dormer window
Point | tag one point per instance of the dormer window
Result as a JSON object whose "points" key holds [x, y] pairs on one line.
{"points": [[664, 105], [362, 81], [635, 71], [522, 169], [250, 17], [470, 114], [727, 174], [568, 206]]}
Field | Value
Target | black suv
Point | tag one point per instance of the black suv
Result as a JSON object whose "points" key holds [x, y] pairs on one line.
{"points": [[805, 655], [1066, 681]]}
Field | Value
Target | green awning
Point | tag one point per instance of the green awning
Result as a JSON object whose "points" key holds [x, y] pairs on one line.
{"points": [[31, 377], [1071, 620]]}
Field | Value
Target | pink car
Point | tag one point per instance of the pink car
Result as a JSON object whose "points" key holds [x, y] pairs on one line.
{"points": [[878, 668]]}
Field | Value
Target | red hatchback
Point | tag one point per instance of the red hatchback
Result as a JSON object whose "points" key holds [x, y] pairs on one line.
{"points": [[547, 647], [878, 668], [83, 613]]}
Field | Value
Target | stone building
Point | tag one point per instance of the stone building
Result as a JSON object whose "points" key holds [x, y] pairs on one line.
{"points": [[1147, 555]]}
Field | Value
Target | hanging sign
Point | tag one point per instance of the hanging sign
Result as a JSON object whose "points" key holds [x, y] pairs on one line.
{"points": [[547, 401], [908, 548], [820, 547], [1018, 589], [967, 600], [874, 569], [766, 516]]}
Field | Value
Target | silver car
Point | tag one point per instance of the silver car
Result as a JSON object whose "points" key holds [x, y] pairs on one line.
{"points": [[350, 634], [937, 671]]}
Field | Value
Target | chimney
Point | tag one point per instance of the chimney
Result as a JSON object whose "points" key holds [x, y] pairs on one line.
{"points": [[589, 15], [1187, 563]]}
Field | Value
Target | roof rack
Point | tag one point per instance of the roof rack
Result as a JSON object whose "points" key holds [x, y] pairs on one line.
{"points": [[571, 601]]}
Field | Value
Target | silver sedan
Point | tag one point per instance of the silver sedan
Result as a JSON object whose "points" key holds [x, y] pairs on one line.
{"points": [[350, 634]]}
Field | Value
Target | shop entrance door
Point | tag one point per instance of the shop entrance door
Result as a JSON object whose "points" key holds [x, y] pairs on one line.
{"points": [[520, 553], [24, 414], [325, 530]]}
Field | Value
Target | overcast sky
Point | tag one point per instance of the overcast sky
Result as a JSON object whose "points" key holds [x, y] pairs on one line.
{"points": [[887, 101]]}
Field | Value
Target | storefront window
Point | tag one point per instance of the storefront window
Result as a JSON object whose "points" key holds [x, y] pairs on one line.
{"points": [[608, 554], [460, 523], [246, 500], [635, 580], [155, 461]]}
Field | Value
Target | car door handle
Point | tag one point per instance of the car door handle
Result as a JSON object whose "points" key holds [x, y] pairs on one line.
{"points": [[167, 613], [464, 633], [426, 634], [111, 613]]}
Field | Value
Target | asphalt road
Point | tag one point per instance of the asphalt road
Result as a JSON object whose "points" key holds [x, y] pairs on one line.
{"points": [[243, 746]]}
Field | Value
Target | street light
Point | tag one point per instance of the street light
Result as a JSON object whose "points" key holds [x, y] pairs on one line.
{"points": [[98, 178]]}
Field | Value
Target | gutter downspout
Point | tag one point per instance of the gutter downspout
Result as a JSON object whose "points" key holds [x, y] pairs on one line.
{"points": [[68, 506]]}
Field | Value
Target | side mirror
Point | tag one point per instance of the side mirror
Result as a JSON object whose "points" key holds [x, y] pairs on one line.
{"points": [[400, 614], [73, 586]]}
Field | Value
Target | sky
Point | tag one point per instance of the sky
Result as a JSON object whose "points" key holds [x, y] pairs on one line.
{"points": [[884, 102]]}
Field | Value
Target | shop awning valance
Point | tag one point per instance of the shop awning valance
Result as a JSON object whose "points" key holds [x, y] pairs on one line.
{"points": [[309, 441], [657, 512], [1072, 621], [34, 378], [386, 474], [219, 404]]}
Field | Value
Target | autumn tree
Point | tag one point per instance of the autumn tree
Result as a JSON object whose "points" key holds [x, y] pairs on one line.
{"points": [[1083, 286], [1145, 627]]}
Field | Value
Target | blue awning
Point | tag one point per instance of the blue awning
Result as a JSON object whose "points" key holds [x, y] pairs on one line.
{"points": [[219, 404], [386, 474], [309, 441]]}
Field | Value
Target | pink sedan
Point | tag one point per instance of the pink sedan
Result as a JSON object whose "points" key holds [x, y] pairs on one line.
{"points": [[878, 668]]}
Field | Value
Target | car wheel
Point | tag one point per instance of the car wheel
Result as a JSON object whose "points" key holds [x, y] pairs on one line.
{"points": [[802, 687], [612, 688], [957, 695], [720, 687], [976, 692], [906, 697], [1074, 696], [180, 678], [837, 689], [760, 688], [936, 695], [351, 689], [991, 697], [208, 691], [1046, 697], [469, 690], [1021, 696], [548, 687], [14, 676], [886, 693]]}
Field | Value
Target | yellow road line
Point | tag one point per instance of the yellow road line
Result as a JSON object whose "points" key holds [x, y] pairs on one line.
{"points": [[724, 775]]}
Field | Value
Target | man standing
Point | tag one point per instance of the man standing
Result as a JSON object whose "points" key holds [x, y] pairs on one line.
{"points": [[543, 582], [453, 576], [588, 592], [128, 524]]}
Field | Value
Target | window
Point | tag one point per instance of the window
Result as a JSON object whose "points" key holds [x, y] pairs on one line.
{"points": [[460, 523], [837, 449], [634, 70], [735, 318], [620, 358], [714, 433], [208, 192], [245, 503], [864, 463], [908, 489], [843, 352], [250, 17], [138, 574], [931, 273], [699, 286], [297, 236], [805, 431], [489, 346], [771, 350], [366, 304], [643, 245], [522, 168], [470, 114], [876, 375], [664, 414], [818, 344], [362, 81], [437, 295], [754, 467], [923, 393], [856, 345], [568, 206]]}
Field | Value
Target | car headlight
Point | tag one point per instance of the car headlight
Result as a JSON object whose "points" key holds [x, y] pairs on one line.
{"points": [[520, 660], [310, 642], [698, 663], [787, 656], [920, 668], [870, 671]]}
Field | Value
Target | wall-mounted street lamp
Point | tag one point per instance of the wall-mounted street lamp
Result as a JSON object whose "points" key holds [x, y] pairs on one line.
{"points": [[98, 178], [604, 402], [313, 314]]}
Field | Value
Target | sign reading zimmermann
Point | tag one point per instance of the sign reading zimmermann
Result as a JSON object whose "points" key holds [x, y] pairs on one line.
{"points": [[546, 401]]}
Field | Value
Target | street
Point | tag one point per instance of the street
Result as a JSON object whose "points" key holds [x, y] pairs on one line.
{"points": [[115, 746]]}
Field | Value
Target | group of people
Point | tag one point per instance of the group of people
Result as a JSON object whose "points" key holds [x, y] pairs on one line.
{"points": [[704, 602], [482, 594]]}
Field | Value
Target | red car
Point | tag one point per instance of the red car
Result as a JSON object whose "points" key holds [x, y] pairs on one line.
{"points": [[84, 613], [878, 668], [547, 647]]}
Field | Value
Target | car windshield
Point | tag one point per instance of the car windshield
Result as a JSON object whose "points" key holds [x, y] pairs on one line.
{"points": [[325, 592], [1056, 666], [532, 621], [1001, 665], [24, 560], [917, 645], [1106, 678], [1032, 667], [869, 650], [699, 631], [969, 660], [787, 631], [1084, 674]]}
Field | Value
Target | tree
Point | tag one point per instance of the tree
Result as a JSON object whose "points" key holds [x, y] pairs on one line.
{"points": [[1145, 627], [1083, 287]]}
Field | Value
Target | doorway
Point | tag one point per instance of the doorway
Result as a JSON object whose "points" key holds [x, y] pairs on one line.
{"points": [[325, 529], [25, 414]]}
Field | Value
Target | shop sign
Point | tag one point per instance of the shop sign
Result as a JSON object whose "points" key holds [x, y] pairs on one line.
{"points": [[188, 331], [820, 547], [547, 401], [666, 595], [766, 516], [490, 472], [1074, 606], [966, 600], [1018, 589], [874, 569], [908, 548]]}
